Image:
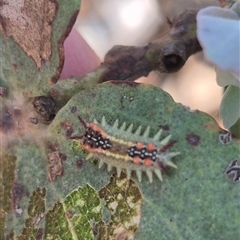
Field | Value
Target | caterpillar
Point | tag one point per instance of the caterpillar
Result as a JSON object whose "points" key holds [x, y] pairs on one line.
{"points": [[118, 147]]}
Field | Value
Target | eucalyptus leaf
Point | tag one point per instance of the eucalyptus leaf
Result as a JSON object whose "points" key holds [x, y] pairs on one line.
{"points": [[51, 189], [229, 109], [189, 202]]}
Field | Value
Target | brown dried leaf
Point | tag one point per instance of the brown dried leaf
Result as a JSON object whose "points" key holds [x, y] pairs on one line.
{"points": [[30, 25]]}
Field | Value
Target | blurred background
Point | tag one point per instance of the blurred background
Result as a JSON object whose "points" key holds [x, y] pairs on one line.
{"points": [[105, 23]]}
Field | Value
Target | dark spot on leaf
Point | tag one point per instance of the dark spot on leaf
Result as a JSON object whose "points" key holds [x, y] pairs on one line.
{"points": [[6, 121], [14, 66], [17, 193], [233, 170], [69, 215], [73, 109], [164, 127], [79, 163], [45, 107], [95, 229], [193, 139], [63, 156], [17, 112], [225, 138], [67, 126], [40, 233]]}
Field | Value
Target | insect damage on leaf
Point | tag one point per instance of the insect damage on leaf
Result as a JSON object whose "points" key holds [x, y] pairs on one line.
{"points": [[225, 138], [117, 146], [233, 171]]}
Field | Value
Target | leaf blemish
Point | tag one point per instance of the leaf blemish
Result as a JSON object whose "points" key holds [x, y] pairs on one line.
{"points": [[17, 112], [233, 171], [6, 121], [55, 165], [15, 66], [193, 139], [73, 109], [67, 126], [164, 127], [17, 193], [40, 233], [79, 163], [225, 138]]}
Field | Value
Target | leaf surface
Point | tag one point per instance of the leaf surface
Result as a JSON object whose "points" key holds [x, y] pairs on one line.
{"points": [[191, 198]]}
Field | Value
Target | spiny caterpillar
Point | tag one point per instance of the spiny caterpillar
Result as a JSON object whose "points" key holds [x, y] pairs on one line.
{"points": [[121, 148]]}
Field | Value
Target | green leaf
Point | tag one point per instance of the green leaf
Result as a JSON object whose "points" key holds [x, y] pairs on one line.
{"points": [[196, 196], [48, 190], [31, 38], [230, 110], [80, 198]]}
